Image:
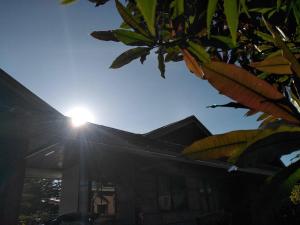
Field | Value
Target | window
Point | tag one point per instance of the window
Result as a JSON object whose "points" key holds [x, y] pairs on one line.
{"points": [[103, 200], [207, 196], [171, 193]]}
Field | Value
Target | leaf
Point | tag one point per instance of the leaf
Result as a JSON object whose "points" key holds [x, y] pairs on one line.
{"points": [[178, 8], [128, 56], [276, 64], [232, 17], [262, 116], [148, 9], [65, 2], [172, 54], [270, 144], [230, 104], [251, 112], [245, 88], [99, 2], [129, 19], [286, 51], [278, 4], [161, 64], [264, 36], [143, 57], [192, 63], [104, 35], [199, 51], [132, 38], [243, 4], [211, 8], [224, 39], [220, 145], [261, 10], [278, 188]]}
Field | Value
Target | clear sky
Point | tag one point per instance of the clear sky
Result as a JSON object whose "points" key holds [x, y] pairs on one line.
{"points": [[47, 47]]}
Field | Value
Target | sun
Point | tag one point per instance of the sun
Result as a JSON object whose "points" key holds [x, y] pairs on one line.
{"points": [[80, 115]]}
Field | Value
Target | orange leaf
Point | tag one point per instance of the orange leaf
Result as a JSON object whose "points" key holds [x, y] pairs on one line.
{"points": [[192, 63], [277, 64], [247, 89]]}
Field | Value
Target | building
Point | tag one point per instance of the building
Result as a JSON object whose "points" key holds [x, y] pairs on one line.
{"points": [[124, 178]]}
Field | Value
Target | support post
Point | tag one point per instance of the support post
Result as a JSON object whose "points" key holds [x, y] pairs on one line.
{"points": [[12, 172]]}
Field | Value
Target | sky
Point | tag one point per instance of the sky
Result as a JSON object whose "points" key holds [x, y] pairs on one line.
{"points": [[47, 48]]}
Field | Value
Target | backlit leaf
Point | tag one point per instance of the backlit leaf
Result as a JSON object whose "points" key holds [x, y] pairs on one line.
{"points": [[232, 17], [244, 7], [276, 64], [264, 36], [247, 89], [192, 63], [161, 64], [104, 35], [211, 8], [148, 9], [270, 144], [228, 41], [220, 145], [132, 38], [128, 56], [178, 6], [199, 51], [129, 19], [65, 2], [295, 65]]}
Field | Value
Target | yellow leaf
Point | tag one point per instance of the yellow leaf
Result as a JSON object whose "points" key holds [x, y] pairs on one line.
{"points": [[276, 64], [220, 146], [192, 63]]}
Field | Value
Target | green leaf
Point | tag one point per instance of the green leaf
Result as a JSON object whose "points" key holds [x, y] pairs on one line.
{"points": [[261, 10], [278, 188], [129, 19], [104, 35], [243, 4], [264, 36], [173, 54], [278, 4], [211, 8], [286, 51], [161, 64], [65, 2], [178, 6], [296, 12], [232, 17], [276, 64], [228, 41], [128, 56], [132, 38], [148, 9], [199, 51]]}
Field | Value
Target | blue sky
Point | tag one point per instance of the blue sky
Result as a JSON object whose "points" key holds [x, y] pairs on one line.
{"points": [[47, 47]]}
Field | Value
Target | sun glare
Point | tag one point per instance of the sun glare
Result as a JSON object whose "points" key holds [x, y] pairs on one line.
{"points": [[79, 116]]}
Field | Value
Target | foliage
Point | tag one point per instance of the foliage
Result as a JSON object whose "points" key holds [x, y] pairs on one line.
{"points": [[247, 50], [295, 194], [39, 200]]}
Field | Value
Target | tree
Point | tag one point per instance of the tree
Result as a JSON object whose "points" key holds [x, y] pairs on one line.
{"points": [[247, 50], [40, 199]]}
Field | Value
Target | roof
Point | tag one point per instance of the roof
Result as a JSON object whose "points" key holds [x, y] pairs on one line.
{"points": [[159, 132], [15, 97], [183, 132], [52, 129]]}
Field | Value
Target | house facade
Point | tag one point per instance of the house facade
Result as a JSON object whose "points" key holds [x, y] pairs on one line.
{"points": [[121, 177]]}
